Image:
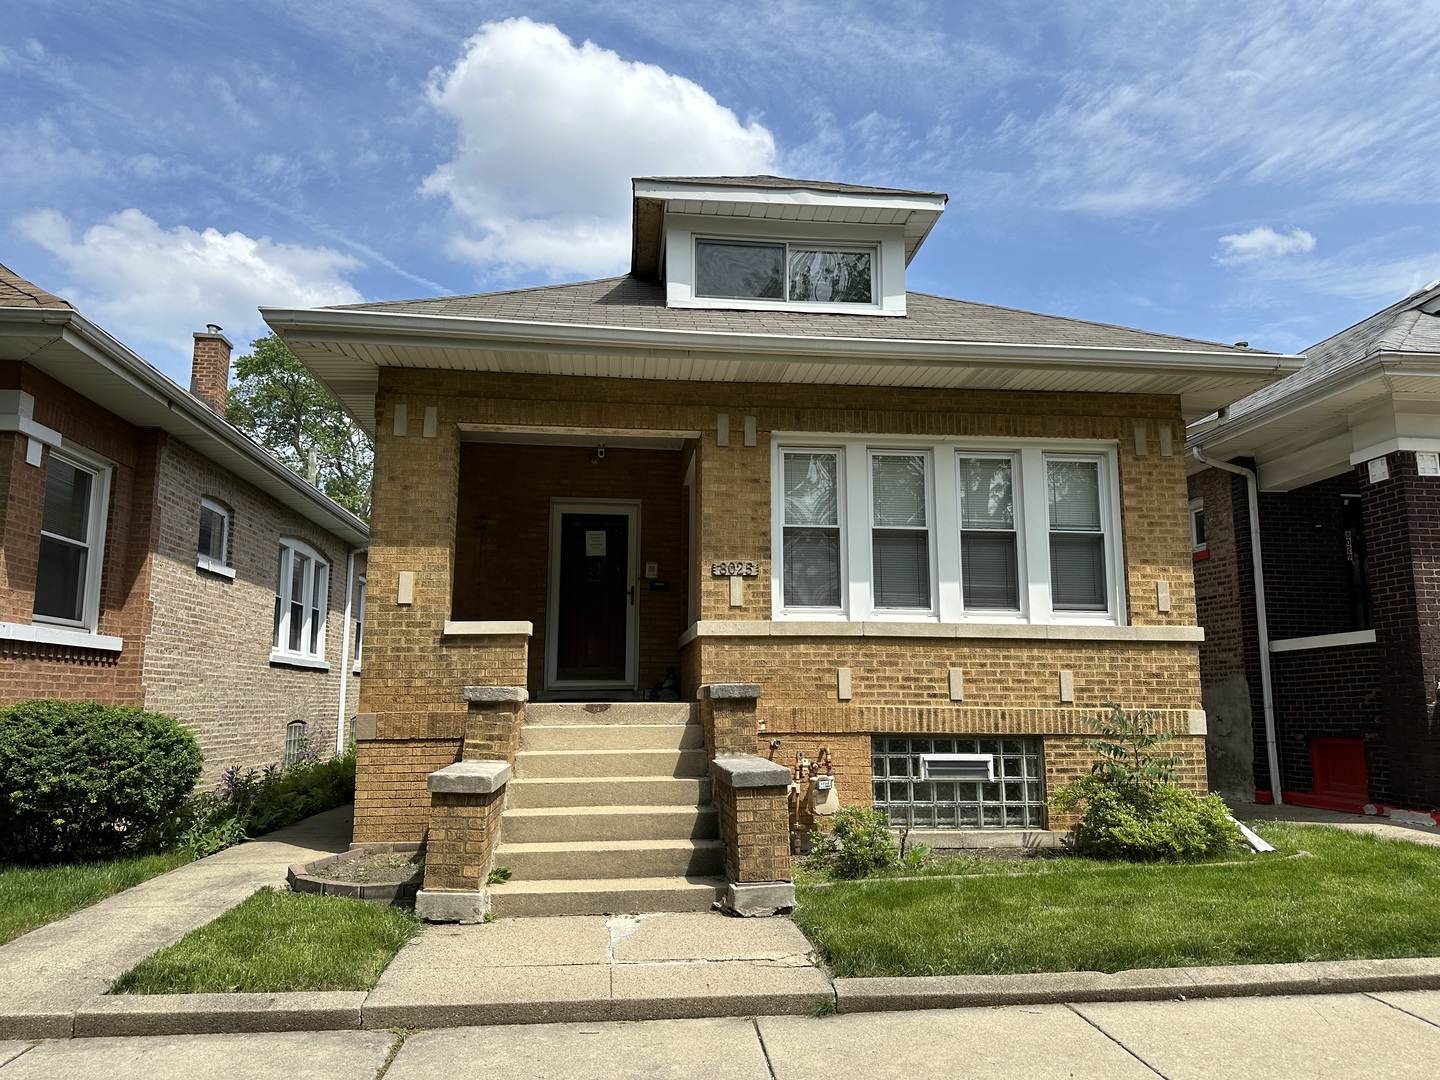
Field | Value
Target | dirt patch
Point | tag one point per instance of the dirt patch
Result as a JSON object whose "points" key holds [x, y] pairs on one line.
{"points": [[375, 868]]}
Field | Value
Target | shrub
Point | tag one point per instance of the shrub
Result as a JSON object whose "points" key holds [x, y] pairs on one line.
{"points": [[81, 780], [1133, 809], [858, 844], [252, 802]]}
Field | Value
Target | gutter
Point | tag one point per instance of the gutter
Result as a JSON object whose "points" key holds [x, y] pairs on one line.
{"points": [[1267, 692]]}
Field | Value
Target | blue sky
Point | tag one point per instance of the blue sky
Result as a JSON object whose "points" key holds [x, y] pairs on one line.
{"points": [[1224, 170]]}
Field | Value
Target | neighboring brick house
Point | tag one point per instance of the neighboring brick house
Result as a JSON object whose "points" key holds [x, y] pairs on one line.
{"points": [[141, 539], [926, 538], [1337, 666]]}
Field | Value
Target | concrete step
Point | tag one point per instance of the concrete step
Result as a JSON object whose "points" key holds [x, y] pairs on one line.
{"points": [[611, 737], [612, 859], [610, 713], [605, 896], [611, 791], [539, 764], [557, 824]]}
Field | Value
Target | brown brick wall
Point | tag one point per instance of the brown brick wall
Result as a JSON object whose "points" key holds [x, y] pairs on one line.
{"points": [[392, 802]]}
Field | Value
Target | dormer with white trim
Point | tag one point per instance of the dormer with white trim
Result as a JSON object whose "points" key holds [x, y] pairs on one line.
{"points": [[768, 243]]}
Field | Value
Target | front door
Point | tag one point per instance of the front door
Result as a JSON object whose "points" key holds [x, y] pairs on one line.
{"points": [[592, 596]]}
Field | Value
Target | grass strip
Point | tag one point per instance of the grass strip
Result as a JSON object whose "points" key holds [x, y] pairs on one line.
{"points": [[31, 896], [1359, 897], [278, 941]]}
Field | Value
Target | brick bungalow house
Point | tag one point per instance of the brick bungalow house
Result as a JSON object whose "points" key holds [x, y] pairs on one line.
{"points": [[916, 542], [142, 539], [1325, 690]]}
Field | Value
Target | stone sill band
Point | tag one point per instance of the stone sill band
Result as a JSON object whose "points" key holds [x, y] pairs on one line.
{"points": [[488, 629], [1323, 641], [469, 778], [42, 634], [997, 631]]}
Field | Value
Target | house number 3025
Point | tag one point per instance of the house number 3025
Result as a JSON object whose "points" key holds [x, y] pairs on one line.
{"points": [[735, 569]]}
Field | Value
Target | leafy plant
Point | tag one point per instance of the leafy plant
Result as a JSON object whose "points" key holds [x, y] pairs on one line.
{"points": [[1131, 805], [81, 780], [859, 843], [498, 876]]}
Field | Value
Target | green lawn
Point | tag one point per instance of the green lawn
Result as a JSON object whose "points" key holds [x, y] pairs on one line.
{"points": [[32, 896], [1358, 897], [277, 941]]}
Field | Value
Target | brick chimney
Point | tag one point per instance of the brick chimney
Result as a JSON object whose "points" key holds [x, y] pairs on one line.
{"points": [[210, 371]]}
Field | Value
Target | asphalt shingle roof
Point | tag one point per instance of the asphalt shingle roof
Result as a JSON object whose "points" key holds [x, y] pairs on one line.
{"points": [[15, 291], [784, 183], [633, 302]]}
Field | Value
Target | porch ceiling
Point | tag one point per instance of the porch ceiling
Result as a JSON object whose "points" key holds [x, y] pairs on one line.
{"points": [[346, 349]]}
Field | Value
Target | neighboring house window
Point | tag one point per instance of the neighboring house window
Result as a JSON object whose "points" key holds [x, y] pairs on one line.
{"points": [[301, 599], [981, 531], [67, 581], [799, 273], [294, 741], [1199, 549], [1010, 794], [900, 530], [212, 549], [811, 537], [359, 620]]}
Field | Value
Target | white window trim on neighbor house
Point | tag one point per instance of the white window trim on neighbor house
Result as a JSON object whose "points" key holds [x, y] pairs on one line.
{"points": [[1199, 545], [886, 243], [311, 606], [94, 543], [1032, 529], [206, 561]]}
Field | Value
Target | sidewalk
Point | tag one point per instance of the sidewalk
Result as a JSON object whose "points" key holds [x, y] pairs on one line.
{"points": [[47, 974], [1305, 815]]}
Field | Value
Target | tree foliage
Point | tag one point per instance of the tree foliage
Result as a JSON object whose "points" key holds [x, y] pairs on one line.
{"points": [[278, 403]]}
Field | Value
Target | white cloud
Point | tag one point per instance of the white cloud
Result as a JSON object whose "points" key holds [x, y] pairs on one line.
{"points": [[550, 135], [146, 284], [1263, 242]]}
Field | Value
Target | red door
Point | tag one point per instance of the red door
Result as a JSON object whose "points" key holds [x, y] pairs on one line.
{"points": [[1339, 767], [595, 595]]}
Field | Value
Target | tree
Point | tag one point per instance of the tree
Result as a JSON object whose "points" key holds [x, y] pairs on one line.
{"points": [[279, 404]]}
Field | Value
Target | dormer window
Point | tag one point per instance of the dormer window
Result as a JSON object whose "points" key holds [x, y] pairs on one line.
{"points": [[753, 270]]}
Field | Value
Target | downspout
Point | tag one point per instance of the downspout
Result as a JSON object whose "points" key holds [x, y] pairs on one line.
{"points": [[345, 653], [1267, 693]]}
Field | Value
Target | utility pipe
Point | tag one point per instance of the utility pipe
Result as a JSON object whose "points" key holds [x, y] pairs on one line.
{"points": [[1267, 693], [345, 653]]}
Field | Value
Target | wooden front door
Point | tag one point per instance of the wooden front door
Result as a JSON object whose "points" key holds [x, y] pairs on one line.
{"points": [[593, 601]]}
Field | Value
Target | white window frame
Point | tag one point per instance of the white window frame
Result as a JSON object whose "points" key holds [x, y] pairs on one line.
{"points": [[359, 624], [1032, 527], [882, 450], [303, 657], [100, 470], [1198, 547], [208, 563]]}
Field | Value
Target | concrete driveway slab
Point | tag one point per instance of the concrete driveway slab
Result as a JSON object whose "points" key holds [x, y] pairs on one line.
{"points": [[1344, 1036], [1030, 1042], [448, 996], [708, 935], [727, 988], [656, 1050], [350, 1055]]}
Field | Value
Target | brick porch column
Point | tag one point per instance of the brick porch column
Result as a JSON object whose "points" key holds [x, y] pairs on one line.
{"points": [[727, 713], [465, 804], [492, 726], [752, 796]]}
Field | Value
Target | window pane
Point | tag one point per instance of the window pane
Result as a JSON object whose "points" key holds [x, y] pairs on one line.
{"points": [[987, 497], [742, 271], [212, 534], [810, 489], [67, 500], [898, 489], [1077, 571], [812, 568], [902, 568], [841, 277], [988, 570], [60, 579], [1074, 495]]}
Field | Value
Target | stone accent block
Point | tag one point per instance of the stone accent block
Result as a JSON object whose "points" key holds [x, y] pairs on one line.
{"points": [[458, 907], [485, 695], [470, 778], [759, 898], [748, 771]]}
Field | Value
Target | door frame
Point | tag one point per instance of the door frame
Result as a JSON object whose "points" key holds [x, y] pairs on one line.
{"points": [[629, 508]]}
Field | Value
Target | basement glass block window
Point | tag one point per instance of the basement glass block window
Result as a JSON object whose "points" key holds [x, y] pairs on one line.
{"points": [[1014, 800]]}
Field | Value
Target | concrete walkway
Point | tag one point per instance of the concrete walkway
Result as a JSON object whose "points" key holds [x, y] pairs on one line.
{"points": [[47, 974], [1344, 1037], [1305, 815]]}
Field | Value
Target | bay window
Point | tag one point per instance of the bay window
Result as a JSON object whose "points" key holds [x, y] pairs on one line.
{"points": [[947, 530], [301, 601]]}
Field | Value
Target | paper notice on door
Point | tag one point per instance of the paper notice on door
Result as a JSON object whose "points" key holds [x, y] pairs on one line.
{"points": [[594, 541]]}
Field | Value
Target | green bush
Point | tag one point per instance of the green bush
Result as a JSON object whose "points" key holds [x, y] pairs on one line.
{"points": [[858, 844], [252, 802], [80, 780], [1132, 807]]}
